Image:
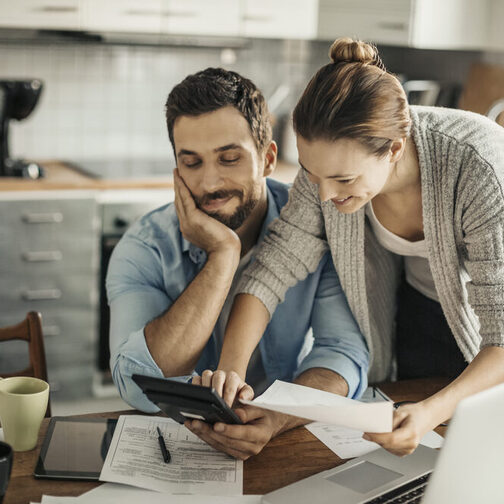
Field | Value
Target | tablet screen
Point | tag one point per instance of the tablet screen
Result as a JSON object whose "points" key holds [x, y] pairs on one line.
{"points": [[75, 448]]}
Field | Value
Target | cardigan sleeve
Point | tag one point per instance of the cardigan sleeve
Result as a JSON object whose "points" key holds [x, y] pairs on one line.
{"points": [[293, 248], [483, 228]]}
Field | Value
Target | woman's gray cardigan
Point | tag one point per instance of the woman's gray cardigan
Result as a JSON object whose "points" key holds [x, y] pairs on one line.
{"points": [[461, 158]]}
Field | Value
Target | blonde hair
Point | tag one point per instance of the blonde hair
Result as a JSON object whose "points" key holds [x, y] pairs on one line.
{"points": [[354, 97]]}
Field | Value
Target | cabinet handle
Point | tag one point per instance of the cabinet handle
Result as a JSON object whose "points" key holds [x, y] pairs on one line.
{"points": [[51, 330], [139, 12], [53, 9], [185, 14], [41, 294], [390, 25], [42, 256], [43, 218]]}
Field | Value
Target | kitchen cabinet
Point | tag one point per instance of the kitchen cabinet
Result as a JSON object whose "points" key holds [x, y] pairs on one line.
{"points": [[163, 17], [49, 260], [427, 24], [289, 19], [201, 17], [122, 15], [41, 14]]}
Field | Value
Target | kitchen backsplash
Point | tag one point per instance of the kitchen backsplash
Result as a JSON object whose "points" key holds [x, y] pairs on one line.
{"points": [[103, 101]]}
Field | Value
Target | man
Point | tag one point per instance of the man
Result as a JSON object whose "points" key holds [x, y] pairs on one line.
{"points": [[172, 276]]}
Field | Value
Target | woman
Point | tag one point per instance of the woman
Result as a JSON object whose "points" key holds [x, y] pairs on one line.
{"points": [[404, 197]]}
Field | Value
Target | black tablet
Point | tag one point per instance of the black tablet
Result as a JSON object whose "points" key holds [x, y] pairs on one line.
{"points": [[75, 448], [185, 401]]}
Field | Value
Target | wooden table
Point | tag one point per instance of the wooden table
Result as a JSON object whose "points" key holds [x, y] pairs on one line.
{"points": [[289, 457]]}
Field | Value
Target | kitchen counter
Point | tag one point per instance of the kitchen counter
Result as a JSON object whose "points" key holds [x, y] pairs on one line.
{"points": [[63, 177]]}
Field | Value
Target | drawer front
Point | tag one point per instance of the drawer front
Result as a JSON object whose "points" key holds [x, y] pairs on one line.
{"points": [[54, 215], [22, 294], [70, 337], [33, 254], [58, 234]]}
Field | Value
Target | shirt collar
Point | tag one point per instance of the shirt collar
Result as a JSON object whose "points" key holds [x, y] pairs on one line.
{"points": [[198, 255]]}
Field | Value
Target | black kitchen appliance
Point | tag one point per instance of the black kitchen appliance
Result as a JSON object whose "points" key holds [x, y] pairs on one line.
{"points": [[18, 98]]}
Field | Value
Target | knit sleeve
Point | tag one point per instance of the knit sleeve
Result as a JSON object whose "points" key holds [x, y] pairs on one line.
{"points": [[295, 244], [483, 228]]}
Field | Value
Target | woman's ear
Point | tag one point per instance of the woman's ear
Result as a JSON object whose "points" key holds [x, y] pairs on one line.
{"points": [[397, 149], [270, 158]]}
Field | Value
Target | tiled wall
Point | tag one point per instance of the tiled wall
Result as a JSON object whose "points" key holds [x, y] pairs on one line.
{"points": [[107, 101], [102, 101]]}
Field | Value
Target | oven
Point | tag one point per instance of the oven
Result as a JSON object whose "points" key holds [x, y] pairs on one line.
{"points": [[119, 209]]}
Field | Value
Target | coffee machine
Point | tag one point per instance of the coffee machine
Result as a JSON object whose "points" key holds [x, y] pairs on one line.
{"points": [[18, 98]]}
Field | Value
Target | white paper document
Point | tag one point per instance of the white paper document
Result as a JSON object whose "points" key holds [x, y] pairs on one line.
{"points": [[134, 458], [348, 443], [318, 405]]}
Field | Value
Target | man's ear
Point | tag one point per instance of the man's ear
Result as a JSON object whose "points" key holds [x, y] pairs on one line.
{"points": [[270, 158]]}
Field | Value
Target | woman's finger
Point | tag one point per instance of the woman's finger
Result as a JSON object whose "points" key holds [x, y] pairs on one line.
{"points": [[231, 387], [219, 379], [206, 378]]}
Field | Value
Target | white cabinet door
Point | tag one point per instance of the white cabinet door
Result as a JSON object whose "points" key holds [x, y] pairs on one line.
{"points": [[450, 24], [122, 15], [429, 24], [289, 19], [378, 21], [41, 14], [201, 17]]}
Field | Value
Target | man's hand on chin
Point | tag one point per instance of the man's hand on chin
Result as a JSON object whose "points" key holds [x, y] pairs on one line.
{"points": [[241, 441]]}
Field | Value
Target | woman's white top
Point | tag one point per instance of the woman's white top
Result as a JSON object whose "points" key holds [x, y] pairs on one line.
{"points": [[416, 262]]}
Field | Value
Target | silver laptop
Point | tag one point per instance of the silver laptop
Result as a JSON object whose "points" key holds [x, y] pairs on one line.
{"points": [[469, 469]]}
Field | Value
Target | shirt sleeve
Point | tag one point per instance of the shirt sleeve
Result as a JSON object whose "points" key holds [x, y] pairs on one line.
{"points": [[293, 248], [483, 229], [135, 298], [338, 343]]}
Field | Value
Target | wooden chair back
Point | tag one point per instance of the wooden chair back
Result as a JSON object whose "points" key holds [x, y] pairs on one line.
{"points": [[29, 330]]}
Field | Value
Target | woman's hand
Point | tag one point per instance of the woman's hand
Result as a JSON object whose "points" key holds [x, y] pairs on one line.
{"points": [[411, 423], [228, 385]]}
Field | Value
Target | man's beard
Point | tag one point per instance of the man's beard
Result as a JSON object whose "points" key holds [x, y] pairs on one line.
{"points": [[239, 216]]}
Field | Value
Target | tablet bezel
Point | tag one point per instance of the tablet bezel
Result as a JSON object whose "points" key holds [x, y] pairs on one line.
{"points": [[42, 473], [185, 401]]}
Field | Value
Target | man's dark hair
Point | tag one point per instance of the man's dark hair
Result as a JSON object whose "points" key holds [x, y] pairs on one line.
{"points": [[214, 88]]}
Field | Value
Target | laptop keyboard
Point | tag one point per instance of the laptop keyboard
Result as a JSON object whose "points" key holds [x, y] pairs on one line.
{"points": [[410, 493]]}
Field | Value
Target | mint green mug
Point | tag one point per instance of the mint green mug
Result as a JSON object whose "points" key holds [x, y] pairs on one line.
{"points": [[23, 403]]}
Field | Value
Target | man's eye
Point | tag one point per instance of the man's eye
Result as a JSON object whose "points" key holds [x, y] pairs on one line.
{"points": [[192, 164], [346, 181], [230, 160]]}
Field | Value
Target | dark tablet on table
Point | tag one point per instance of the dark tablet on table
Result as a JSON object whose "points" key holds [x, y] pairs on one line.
{"points": [[75, 448], [184, 401]]}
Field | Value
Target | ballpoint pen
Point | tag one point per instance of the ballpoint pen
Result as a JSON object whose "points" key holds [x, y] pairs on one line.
{"points": [[164, 450]]}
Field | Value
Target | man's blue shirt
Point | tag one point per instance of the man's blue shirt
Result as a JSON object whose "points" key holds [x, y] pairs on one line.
{"points": [[153, 264]]}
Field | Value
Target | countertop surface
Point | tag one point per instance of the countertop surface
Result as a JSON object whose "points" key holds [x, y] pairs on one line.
{"points": [[59, 176]]}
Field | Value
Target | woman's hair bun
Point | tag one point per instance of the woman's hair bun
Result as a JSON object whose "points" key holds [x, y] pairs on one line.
{"points": [[348, 50]]}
